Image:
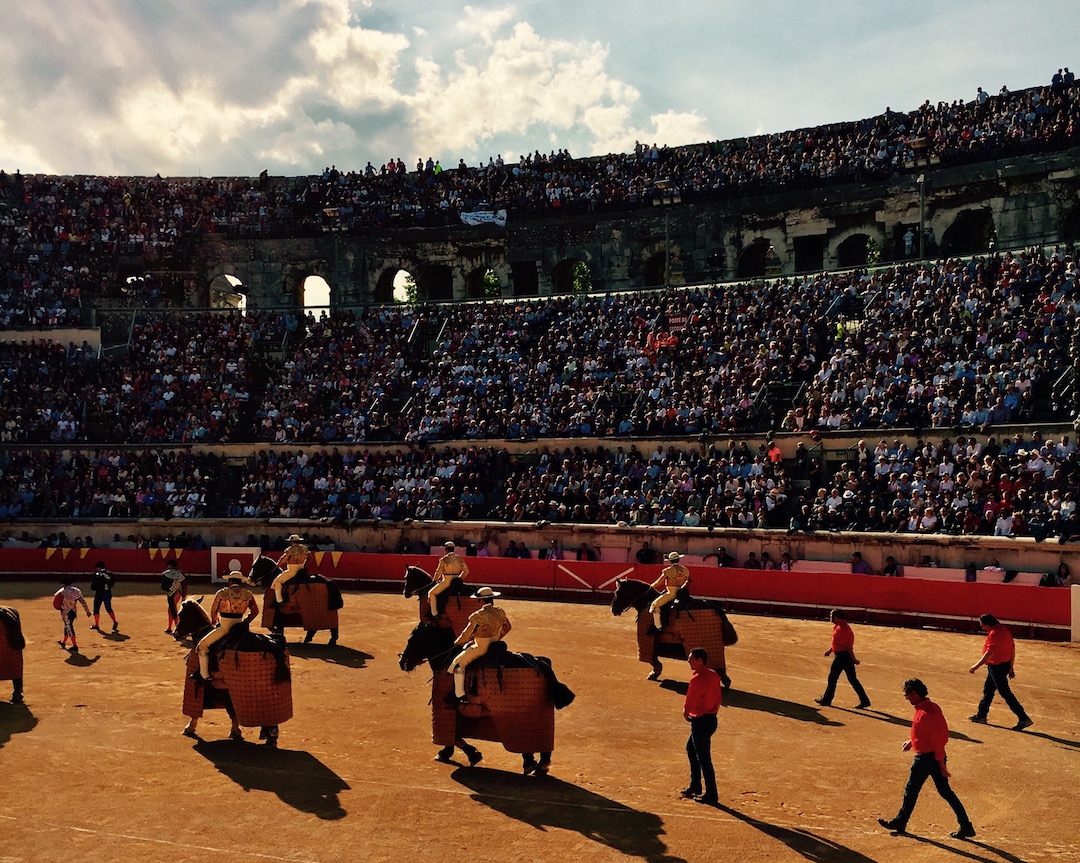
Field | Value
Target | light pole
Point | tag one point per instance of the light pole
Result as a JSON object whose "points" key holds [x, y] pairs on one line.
{"points": [[922, 215]]}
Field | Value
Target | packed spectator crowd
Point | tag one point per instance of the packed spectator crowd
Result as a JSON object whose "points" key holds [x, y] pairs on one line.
{"points": [[959, 347]]}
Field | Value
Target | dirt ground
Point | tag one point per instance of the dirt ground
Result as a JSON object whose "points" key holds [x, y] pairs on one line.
{"points": [[94, 764]]}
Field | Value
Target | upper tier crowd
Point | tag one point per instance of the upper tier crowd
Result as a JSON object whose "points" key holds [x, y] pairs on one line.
{"points": [[61, 237]]}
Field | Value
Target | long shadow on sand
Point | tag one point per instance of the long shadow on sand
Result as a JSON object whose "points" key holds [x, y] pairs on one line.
{"points": [[543, 802], [336, 655], [903, 723], [965, 850], [81, 660], [15, 719], [299, 779], [803, 842], [777, 706]]}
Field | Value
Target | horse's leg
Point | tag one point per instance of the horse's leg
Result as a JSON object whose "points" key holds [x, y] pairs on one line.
{"points": [[235, 733], [725, 681], [269, 733], [544, 765], [445, 754], [657, 668], [333, 637], [528, 763], [189, 729], [471, 752], [308, 636]]}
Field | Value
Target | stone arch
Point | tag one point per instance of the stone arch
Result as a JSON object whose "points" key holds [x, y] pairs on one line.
{"points": [[476, 282], [227, 291], [384, 280], [563, 275], [849, 248], [971, 231], [752, 259]]}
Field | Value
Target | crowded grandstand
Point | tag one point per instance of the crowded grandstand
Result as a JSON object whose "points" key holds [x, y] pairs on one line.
{"points": [[656, 407]]}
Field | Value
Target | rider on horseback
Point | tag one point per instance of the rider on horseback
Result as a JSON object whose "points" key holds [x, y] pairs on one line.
{"points": [[228, 609], [291, 562], [486, 625], [673, 576], [451, 566]]}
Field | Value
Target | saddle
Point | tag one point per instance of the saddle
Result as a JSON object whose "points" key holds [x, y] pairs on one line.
{"points": [[241, 639], [334, 600], [457, 587], [499, 657]]}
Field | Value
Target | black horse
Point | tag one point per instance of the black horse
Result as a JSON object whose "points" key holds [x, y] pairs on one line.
{"points": [[709, 629], [431, 643], [194, 622], [263, 572], [418, 582]]}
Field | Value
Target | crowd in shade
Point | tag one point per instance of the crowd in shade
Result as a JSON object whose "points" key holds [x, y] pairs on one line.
{"points": [[969, 345], [96, 484]]}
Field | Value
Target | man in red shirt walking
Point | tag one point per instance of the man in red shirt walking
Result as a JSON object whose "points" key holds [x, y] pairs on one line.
{"points": [[999, 651], [699, 709], [843, 654], [929, 734]]}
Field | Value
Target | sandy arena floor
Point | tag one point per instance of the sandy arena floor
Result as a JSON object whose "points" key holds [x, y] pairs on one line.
{"points": [[94, 765]]}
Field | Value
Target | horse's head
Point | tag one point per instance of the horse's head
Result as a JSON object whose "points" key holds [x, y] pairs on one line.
{"points": [[191, 619], [629, 593], [416, 579], [264, 570], [426, 642]]}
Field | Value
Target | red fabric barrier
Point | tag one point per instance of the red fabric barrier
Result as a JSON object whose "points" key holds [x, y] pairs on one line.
{"points": [[35, 562], [929, 598]]}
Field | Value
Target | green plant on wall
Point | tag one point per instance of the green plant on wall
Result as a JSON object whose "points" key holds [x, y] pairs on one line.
{"points": [[873, 253], [580, 278], [492, 288]]}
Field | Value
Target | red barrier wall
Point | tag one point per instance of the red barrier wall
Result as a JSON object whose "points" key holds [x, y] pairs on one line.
{"points": [[568, 579]]}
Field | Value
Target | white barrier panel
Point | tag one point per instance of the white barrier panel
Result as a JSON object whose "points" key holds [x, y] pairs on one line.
{"points": [[225, 558]]}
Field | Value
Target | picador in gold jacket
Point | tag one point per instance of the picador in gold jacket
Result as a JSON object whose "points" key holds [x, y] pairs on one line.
{"points": [[230, 604], [486, 625], [451, 566], [673, 576]]}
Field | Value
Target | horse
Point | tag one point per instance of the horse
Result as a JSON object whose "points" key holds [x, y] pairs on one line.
{"points": [[455, 603], [251, 680], [12, 644], [687, 623], [513, 697], [311, 601]]}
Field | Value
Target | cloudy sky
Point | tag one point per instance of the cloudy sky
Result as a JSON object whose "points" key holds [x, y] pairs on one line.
{"points": [[230, 87]]}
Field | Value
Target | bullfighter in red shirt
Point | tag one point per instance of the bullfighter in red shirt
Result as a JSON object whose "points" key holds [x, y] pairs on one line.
{"points": [[843, 654], [929, 734]]}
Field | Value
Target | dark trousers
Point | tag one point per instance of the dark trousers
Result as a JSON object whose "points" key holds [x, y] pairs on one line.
{"points": [[844, 662], [101, 599], [923, 767], [699, 751], [997, 680]]}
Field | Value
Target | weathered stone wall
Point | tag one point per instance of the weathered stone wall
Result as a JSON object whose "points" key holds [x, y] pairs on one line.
{"points": [[1011, 202]]}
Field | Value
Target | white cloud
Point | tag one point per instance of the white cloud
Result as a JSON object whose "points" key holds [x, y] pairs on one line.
{"points": [[523, 82]]}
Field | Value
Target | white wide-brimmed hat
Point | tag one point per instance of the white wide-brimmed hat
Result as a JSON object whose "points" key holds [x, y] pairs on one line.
{"points": [[674, 557], [486, 593], [295, 537]]}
